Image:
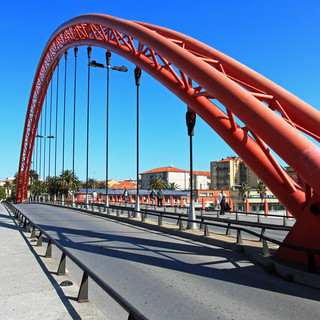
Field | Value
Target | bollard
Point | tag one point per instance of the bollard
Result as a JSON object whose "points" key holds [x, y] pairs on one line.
{"points": [[258, 218], [160, 220], [143, 217]]}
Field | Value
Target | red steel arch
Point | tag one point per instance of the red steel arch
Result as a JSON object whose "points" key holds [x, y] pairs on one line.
{"points": [[273, 118]]}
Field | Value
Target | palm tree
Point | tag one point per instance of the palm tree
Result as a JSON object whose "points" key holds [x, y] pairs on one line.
{"points": [[244, 192], [7, 188], [92, 183], [157, 183], [262, 190], [33, 178], [173, 186], [67, 180]]}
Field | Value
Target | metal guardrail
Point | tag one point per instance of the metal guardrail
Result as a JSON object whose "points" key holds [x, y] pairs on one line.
{"points": [[205, 222], [134, 314]]}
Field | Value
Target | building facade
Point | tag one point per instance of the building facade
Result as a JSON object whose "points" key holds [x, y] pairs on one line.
{"points": [[230, 173], [177, 176]]}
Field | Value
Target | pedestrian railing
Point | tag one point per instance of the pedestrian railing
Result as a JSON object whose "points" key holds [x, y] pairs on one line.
{"points": [[83, 294]]}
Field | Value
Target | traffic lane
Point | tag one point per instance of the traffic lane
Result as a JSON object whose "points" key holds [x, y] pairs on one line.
{"points": [[172, 278]]}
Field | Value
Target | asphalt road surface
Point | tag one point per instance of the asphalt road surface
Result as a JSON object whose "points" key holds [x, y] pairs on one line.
{"points": [[166, 277]]}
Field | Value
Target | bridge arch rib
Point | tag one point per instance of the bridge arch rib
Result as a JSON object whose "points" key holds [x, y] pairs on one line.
{"points": [[199, 75]]}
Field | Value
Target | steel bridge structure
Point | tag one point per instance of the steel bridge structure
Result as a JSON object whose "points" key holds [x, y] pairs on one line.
{"points": [[250, 113]]}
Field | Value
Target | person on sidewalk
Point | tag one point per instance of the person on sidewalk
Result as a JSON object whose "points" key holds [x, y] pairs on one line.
{"points": [[160, 198]]}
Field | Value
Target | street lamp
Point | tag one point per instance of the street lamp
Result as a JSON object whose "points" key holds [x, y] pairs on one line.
{"points": [[116, 68], [137, 76], [191, 121]]}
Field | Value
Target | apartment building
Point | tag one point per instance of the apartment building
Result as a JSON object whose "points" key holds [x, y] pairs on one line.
{"points": [[231, 172]]}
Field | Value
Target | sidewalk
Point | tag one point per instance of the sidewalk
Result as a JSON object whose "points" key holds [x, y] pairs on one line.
{"points": [[30, 290]]}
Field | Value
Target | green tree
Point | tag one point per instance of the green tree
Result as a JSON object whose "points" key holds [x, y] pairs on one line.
{"points": [[262, 190], [157, 183], [2, 193], [33, 182], [7, 188], [67, 181], [92, 184], [101, 185], [172, 186], [244, 192]]}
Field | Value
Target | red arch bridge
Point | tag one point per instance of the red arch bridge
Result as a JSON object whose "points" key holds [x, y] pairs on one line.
{"points": [[259, 115]]}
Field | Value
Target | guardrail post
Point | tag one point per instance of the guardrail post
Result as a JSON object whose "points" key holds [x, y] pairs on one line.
{"points": [[160, 219], [239, 237], [265, 249], [201, 223], [62, 265], [100, 209], [285, 220], [263, 230], [237, 217], [311, 263], [28, 227], [39, 243], [49, 250], [228, 231], [92, 208], [180, 223], [258, 218], [206, 231], [33, 233], [83, 295], [143, 217]]}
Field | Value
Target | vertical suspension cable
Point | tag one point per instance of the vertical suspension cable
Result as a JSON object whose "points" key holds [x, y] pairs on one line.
{"points": [[64, 107], [74, 111], [50, 124], [89, 49], [45, 137], [56, 142], [40, 144]]}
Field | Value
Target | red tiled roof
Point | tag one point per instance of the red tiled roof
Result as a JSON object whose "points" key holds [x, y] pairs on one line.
{"points": [[164, 169], [124, 184], [201, 173]]}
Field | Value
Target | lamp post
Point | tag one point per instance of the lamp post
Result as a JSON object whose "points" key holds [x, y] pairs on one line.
{"points": [[191, 121], [120, 69], [137, 76]]}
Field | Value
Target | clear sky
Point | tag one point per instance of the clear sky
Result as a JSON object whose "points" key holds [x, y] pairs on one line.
{"points": [[279, 39]]}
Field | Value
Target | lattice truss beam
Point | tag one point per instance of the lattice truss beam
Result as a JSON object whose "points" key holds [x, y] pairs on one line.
{"points": [[181, 81]]}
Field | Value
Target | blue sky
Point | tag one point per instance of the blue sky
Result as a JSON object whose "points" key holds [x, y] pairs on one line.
{"points": [[279, 39]]}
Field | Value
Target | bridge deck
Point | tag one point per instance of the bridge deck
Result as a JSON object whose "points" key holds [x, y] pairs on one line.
{"points": [[167, 277]]}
